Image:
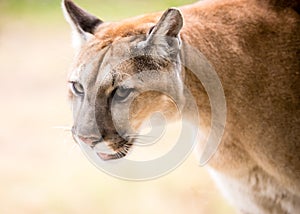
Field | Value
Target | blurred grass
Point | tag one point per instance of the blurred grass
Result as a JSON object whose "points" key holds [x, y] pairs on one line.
{"points": [[50, 10]]}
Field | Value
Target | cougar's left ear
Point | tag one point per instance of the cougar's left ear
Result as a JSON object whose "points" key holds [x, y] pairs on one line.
{"points": [[83, 24], [167, 29]]}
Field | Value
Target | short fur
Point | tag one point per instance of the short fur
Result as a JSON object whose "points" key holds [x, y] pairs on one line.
{"points": [[254, 47]]}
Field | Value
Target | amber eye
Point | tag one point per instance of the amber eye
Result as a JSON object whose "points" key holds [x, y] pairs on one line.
{"points": [[122, 94], [77, 88]]}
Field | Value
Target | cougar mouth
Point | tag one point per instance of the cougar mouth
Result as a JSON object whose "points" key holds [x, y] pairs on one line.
{"points": [[112, 154], [105, 150]]}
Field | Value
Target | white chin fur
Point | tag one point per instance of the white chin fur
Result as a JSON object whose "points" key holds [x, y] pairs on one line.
{"points": [[103, 148]]}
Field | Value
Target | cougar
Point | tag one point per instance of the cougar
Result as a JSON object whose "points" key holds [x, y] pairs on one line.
{"points": [[253, 46]]}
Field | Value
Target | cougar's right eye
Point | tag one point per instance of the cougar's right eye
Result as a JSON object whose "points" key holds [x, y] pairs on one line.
{"points": [[77, 88]]}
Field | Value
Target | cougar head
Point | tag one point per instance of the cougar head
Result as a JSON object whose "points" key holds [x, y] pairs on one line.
{"points": [[123, 72]]}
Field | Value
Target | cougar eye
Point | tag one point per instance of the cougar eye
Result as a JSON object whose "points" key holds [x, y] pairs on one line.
{"points": [[122, 94], [77, 88]]}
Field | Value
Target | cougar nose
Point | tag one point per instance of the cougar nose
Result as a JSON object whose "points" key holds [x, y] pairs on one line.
{"points": [[89, 140]]}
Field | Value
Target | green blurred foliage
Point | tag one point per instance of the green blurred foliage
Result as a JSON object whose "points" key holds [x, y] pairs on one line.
{"points": [[105, 9]]}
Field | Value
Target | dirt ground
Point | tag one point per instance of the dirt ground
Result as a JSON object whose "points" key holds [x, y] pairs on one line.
{"points": [[41, 171]]}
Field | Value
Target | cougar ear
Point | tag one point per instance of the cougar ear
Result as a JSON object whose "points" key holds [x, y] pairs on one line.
{"points": [[82, 23], [166, 33], [169, 24]]}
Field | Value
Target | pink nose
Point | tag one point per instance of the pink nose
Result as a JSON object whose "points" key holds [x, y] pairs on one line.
{"points": [[88, 140]]}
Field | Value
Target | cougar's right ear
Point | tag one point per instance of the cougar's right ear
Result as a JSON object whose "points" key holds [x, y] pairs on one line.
{"points": [[83, 24]]}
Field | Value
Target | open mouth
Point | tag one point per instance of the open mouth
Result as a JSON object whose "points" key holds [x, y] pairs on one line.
{"points": [[106, 157], [105, 152]]}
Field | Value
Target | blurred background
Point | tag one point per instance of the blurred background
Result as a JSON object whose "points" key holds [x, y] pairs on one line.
{"points": [[41, 169]]}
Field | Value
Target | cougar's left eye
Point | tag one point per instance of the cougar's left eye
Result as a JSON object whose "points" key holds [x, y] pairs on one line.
{"points": [[77, 88], [122, 94]]}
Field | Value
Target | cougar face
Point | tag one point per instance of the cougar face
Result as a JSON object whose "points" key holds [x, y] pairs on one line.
{"points": [[116, 86]]}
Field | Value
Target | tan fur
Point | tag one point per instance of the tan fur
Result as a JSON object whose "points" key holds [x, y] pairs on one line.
{"points": [[254, 47]]}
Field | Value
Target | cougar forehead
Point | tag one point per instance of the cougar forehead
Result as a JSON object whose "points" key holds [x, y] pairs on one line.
{"points": [[102, 62], [113, 42]]}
